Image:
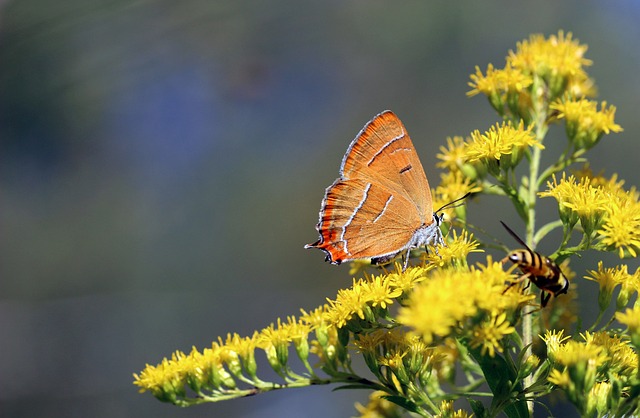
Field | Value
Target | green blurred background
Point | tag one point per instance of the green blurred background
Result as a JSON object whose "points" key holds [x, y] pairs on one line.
{"points": [[162, 165]]}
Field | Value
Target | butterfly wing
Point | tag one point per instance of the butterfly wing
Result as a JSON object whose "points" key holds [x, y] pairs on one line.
{"points": [[383, 153], [381, 198], [364, 220]]}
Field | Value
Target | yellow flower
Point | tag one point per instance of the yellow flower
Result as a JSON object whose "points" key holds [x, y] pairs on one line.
{"points": [[554, 340], [558, 60], [489, 84], [501, 147], [378, 407], [444, 359], [621, 227], [585, 124], [275, 340], [578, 201], [582, 361], [440, 305], [315, 317], [165, 381], [453, 185], [455, 252], [559, 378], [608, 279], [621, 360], [452, 156], [490, 334], [507, 86], [574, 352], [237, 348], [359, 300], [631, 318], [599, 398], [447, 411], [408, 279], [380, 291]]}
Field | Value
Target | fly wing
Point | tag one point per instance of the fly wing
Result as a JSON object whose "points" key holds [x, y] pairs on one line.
{"points": [[382, 153]]}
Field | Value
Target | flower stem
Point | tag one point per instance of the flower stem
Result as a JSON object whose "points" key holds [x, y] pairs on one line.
{"points": [[540, 117]]}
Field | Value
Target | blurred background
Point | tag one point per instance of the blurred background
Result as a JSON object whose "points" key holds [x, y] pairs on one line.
{"points": [[162, 165]]}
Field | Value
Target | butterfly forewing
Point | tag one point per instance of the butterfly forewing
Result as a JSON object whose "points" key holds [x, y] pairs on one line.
{"points": [[383, 153]]}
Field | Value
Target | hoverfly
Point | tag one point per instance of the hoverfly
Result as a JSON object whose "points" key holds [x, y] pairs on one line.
{"points": [[539, 269]]}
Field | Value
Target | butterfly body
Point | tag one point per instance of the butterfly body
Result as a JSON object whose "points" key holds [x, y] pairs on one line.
{"points": [[381, 204]]}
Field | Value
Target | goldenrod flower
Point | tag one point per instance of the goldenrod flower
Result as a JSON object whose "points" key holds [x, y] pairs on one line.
{"points": [[578, 201], [574, 352], [608, 279], [359, 300], [554, 340], [378, 407], [530, 364], [503, 87], [315, 317], [585, 124], [275, 340], [558, 60], [408, 279], [455, 252], [582, 362], [621, 228], [452, 156], [489, 334], [444, 359], [599, 398], [447, 411], [559, 378], [165, 381], [631, 318], [449, 297], [621, 361], [490, 84], [238, 352], [501, 147], [453, 185]]}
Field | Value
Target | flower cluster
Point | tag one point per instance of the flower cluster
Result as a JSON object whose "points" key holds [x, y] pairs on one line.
{"points": [[551, 66], [593, 372], [449, 327], [605, 210]]}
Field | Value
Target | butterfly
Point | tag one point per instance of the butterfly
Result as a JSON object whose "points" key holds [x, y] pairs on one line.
{"points": [[381, 204]]}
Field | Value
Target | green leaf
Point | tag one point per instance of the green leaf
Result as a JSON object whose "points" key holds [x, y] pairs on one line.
{"points": [[353, 386], [478, 408], [499, 377], [402, 402]]}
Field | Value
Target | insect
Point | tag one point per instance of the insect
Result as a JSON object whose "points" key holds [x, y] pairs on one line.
{"points": [[539, 269], [381, 204]]}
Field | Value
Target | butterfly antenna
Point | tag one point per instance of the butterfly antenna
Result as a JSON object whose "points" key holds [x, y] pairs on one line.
{"points": [[453, 203]]}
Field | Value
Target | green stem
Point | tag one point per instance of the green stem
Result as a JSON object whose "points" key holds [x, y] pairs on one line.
{"points": [[542, 232], [560, 165], [540, 126]]}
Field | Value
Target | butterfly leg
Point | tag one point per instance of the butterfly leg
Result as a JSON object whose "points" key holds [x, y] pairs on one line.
{"points": [[406, 260]]}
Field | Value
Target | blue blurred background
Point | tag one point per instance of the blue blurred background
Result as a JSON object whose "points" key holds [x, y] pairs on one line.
{"points": [[162, 165]]}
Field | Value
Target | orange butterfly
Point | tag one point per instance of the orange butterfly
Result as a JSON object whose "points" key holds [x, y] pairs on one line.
{"points": [[381, 204]]}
